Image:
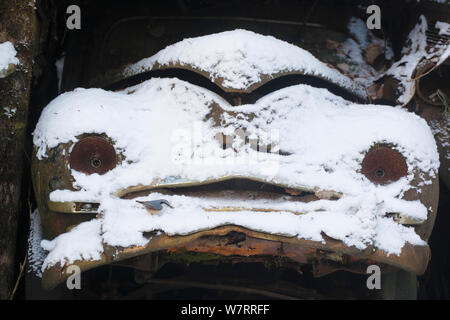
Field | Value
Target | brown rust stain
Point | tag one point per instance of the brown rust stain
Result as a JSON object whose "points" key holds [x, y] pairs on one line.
{"points": [[247, 247], [412, 258]]}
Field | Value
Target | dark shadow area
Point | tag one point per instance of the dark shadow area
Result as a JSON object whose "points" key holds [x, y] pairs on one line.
{"points": [[435, 283], [213, 281]]}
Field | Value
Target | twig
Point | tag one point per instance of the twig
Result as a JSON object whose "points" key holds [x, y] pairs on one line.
{"points": [[309, 13], [22, 268], [443, 97], [424, 74], [22, 265]]}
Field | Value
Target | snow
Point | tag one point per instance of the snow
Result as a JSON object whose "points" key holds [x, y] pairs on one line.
{"points": [[334, 220], [359, 30], [9, 112], [416, 49], [59, 64], [173, 110], [7, 55], [444, 28], [162, 130], [82, 242], [36, 255], [413, 53], [240, 58], [353, 51]]}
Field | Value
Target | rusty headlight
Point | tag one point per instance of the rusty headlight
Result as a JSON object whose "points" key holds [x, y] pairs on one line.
{"points": [[383, 165], [93, 155]]}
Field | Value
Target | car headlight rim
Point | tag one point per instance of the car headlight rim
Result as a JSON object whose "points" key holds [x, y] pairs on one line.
{"points": [[93, 154], [383, 165]]}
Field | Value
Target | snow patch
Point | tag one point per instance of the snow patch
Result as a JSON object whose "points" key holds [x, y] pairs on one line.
{"points": [[443, 27], [7, 55], [36, 255], [9, 112], [59, 64], [82, 242]]}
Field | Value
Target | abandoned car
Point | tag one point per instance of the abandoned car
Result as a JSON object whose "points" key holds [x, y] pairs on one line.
{"points": [[237, 144]]}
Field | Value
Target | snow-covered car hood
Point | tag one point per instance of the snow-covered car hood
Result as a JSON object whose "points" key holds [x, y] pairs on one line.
{"points": [[241, 60], [166, 131]]}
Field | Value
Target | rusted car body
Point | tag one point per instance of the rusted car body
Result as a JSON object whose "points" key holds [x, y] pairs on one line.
{"points": [[94, 154]]}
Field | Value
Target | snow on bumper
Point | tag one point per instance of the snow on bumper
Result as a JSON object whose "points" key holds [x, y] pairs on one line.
{"points": [[351, 225]]}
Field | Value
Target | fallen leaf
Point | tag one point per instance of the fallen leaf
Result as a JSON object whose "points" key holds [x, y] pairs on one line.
{"points": [[373, 51], [343, 67]]}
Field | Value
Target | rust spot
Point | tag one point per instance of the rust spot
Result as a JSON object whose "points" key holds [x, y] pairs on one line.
{"points": [[412, 258], [383, 165], [234, 238], [93, 155], [293, 192]]}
